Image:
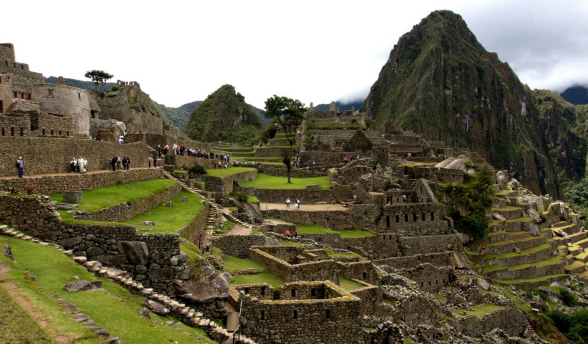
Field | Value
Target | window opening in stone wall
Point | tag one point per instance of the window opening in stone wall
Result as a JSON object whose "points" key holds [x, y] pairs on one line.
{"points": [[405, 217], [413, 217], [312, 292], [364, 275], [1, 106], [67, 133], [261, 315], [15, 94], [328, 314], [390, 237], [60, 133], [3, 131], [52, 132], [50, 93], [397, 218], [21, 131], [246, 290], [79, 95], [388, 221], [11, 131], [29, 96], [432, 216], [423, 216], [262, 290], [295, 314], [43, 131], [293, 292]]}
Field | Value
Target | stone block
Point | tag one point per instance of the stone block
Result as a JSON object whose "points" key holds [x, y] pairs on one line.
{"points": [[72, 196], [313, 187]]}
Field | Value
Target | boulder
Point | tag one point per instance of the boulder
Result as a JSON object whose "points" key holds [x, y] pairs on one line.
{"points": [[135, 251], [149, 223], [483, 284], [156, 307], [534, 214], [533, 229], [72, 196], [145, 312], [209, 287], [82, 285], [498, 217]]}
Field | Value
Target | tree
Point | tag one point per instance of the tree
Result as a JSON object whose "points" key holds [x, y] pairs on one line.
{"points": [[287, 114], [98, 77]]}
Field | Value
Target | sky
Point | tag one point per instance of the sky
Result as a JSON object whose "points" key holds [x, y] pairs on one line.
{"points": [[315, 51]]}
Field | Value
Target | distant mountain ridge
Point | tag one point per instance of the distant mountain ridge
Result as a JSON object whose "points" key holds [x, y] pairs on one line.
{"points": [[356, 105], [577, 95], [80, 83]]}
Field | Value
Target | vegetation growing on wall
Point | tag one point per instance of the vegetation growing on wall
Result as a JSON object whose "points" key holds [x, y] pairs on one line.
{"points": [[470, 202]]}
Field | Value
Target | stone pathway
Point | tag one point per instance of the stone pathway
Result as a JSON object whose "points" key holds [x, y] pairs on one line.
{"points": [[240, 230]]}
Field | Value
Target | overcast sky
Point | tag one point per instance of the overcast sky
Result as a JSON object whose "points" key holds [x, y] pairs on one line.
{"points": [[315, 51]]}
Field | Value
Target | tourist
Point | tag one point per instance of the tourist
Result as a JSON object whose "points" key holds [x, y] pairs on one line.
{"points": [[296, 233], [121, 139], [150, 161], [287, 233], [200, 241], [288, 203], [297, 204], [20, 165], [128, 163], [118, 162], [81, 162], [154, 161], [113, 162], [124, 163], [159, 151], [73, 164]]}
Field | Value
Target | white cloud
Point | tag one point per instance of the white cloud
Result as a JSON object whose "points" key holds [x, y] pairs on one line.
{"points": [[316, 51]]}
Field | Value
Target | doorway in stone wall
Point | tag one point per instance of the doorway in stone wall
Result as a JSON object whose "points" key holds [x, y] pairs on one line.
{"points": [[1, 106]]}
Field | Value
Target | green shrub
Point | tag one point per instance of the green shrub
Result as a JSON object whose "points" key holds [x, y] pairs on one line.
{"points": [[568, 298], [561, 320], [197, 169], [184, 167]]}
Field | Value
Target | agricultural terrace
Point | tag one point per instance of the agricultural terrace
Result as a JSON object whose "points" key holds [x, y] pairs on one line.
{"points": [[265, 181], [226, 172]]}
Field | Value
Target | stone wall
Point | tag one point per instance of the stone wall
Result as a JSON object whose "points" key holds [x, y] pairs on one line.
{"points": [[58, 183], [238, 245], [5, 92], [65, 100], [310, 271], [279, 196], [429, 277], [335, 219], [14, 125], [370, 297], [225, 185], [7, 52], [411, 262], [22, 79], [362, 271], [53, 155], [197, 226], [335, 319], [274, 170], [123, 212], [43, 124], [153, 260], [429, 244], [374, 247], [511, 320]]}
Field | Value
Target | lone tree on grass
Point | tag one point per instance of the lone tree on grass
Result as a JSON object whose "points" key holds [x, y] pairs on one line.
{"points": [[98, 77], [287, 114]]}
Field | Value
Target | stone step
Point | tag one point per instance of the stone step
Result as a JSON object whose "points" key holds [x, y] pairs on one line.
{"points": [[509, 212], [582, 257], [551, 266], [577, 267], [567, 228], [510, 245], [578, 236], [583, 276], [582, 243], [531, 255], [527, 284]]}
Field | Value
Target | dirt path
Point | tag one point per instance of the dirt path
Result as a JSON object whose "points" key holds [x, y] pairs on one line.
{"points": [[240, 230], [303, 207], [35, 314]]}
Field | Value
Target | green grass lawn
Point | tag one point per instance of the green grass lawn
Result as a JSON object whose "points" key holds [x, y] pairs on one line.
{"points": [[479, 310], [349, 285], [345, 233], [225, 172], [340, 255], [265, 181], [108, 196], [170, 219], [112, 308], [234, 264]]}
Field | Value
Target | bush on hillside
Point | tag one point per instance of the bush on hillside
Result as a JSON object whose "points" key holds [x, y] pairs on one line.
{"points": [[568, 298], [470, 202], [197, 169]]}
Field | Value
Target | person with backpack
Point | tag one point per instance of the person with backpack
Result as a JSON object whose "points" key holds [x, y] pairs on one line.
{"points": [[20, 165]]}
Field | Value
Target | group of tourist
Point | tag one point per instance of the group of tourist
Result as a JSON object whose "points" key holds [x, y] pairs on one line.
{"points": [[295, 234], [78, 165], [115, 162]]}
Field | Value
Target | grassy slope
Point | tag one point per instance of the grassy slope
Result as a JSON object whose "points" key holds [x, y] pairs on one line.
{"points": [[265, 181], [225, 172], [108, 196], [113, 308]]}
